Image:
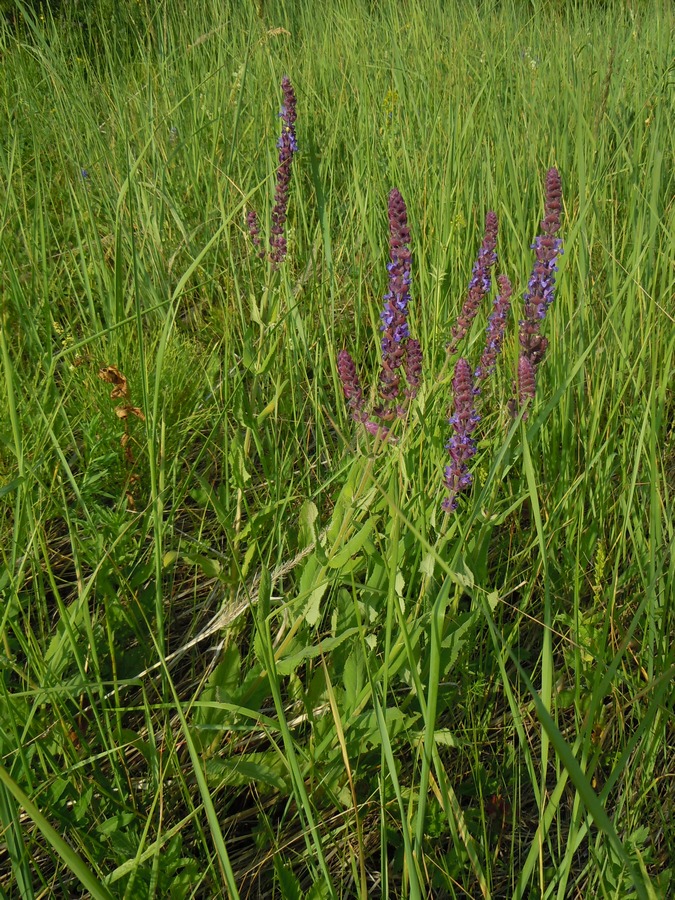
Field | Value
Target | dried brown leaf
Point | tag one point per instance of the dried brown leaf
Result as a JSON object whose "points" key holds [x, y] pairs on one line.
{"points": [[112, 375]]}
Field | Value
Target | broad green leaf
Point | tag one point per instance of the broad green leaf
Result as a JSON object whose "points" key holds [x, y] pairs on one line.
{"points": [[288, 664], [352, 547]]}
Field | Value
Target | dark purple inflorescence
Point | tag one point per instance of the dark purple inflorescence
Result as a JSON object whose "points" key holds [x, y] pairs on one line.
{"points": [[480, 282], [395, 331], [254, 231], [540, 292], [287, 145], [541, 286], [526, 381], [350, 383], [413, 368], [495, 329], [401, 372], [461, 445]]}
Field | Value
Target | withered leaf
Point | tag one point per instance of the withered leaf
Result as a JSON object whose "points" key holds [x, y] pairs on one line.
{"points": [[122, 412], [112, 375]]}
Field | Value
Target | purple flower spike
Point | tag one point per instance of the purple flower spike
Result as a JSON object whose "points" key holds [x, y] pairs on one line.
{"points": [[287, 145], [254, 231], [540, 292], [526, 381], [395, 332], [350, 384], [480, 282], [495, 329], [413, 368], [401, 371], [541, 286], [461, 445]]}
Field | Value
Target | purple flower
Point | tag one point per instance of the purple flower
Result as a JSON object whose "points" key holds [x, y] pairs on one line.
{"points": [[461, 445], [395, 331], [350, 384], [287, 146], [526, 381], [541, 286], [254, 231], [540, 292], [413, 368], [480, 282], [401, 355], [495, 329]]}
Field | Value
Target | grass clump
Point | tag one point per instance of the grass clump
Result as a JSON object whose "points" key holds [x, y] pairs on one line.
{"points": [[244, 648]]}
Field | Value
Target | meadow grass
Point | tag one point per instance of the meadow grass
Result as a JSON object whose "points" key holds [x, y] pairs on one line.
{"points": [[244, 652]]}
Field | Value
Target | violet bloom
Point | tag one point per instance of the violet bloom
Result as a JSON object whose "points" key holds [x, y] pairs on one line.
{"points": [[541, 286], [461, 445], [350, 384], [495, 329], [287, 146], [480, 282], [394, 316]]}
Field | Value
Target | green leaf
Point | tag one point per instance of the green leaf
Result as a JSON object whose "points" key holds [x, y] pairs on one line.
{"points": [[288, 884], [253, 768], [307, 522], [288, 664], [352, 547]]}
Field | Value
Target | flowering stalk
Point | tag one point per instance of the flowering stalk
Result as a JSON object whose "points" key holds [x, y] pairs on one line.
{"points": [[350, 384], [395, 331], [495, 330], [287, 146], [254, 231], [401, 355], [541, 286], [480, 282], [526, 381], [352, 390], [540, 290], [413, 368], [461, 445]]}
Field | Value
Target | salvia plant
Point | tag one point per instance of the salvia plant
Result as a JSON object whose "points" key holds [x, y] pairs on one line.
{"points": [[401, 371], [288, 147]]}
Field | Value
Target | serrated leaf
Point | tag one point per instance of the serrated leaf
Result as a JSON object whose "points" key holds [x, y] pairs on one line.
{"points": [[463, 576], [288, 883]]}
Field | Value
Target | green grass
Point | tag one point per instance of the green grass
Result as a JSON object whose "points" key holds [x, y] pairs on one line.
{"points": [[247, 653]]}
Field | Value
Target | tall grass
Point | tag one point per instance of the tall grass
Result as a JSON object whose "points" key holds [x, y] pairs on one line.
{"points": [[243, 649]]}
